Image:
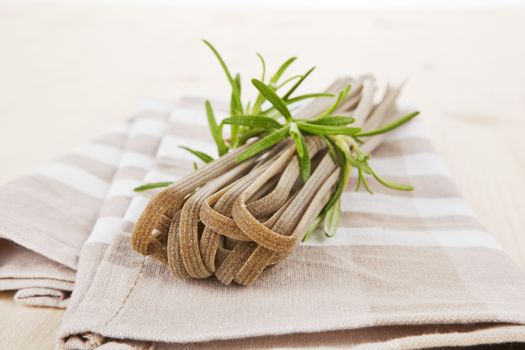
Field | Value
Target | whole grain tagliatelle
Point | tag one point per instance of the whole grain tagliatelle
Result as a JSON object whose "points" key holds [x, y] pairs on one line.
{"points": [[232, 220]]}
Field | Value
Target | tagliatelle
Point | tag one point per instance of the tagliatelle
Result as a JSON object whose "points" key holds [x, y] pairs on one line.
{"points": [[251, 207], [232, 220]]}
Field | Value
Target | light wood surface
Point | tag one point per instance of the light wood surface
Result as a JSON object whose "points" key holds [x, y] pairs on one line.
{"points": [[69, 71]]}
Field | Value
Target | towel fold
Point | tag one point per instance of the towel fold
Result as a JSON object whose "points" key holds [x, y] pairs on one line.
{"points": [[406, 270]]}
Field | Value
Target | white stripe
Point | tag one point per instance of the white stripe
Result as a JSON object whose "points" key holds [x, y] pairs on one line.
{"points": [[159, 176], [404, 206], [169, 147], [102, 153], [136, 207], [375, 236], [467, 239], [136, 159], [123, 188], [148, 126], [105, 229], [414, 128], [75, 178], [409, 165]]}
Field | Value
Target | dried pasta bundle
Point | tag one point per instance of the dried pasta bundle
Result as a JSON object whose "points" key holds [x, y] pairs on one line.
{"points": [[252, 206]]}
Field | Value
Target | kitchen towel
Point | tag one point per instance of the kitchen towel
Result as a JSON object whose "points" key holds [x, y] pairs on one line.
{"points": [[406, 270]]}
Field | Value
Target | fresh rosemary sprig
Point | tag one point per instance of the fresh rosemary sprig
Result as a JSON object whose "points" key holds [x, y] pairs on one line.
{"points": [[277, 123]]}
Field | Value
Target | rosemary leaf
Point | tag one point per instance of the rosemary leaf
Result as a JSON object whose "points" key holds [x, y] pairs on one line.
{"points": [[327, 129], [340, 97], [302, 151], [297, 84], [364, 181], [273, 98], [152, 186], [296, 136], [263, 64], [305, 166], [248, 134], [390, 184], [312, 228], [235, 101], [201, 155], [343, 154], [236, 108], [331, 220], [292, 78], [334, 120], [215, 130], [306, 96], [330, 147], [263, 144], [281, 70], [253, 121], [390, 126], [221, 61]]}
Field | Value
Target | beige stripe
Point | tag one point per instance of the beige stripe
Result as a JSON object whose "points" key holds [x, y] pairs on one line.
{"points": [[509, 281], [92, 166], [138, 143], [402, 281], [47, 217], [360, 219], [177, 167], [432, 186], [402, 147], [200, 132], [115, 206], [116, 140], [130, 173], [144, 144]]}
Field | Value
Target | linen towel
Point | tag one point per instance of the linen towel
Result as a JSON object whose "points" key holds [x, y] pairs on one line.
{"points": [[406, 270]]}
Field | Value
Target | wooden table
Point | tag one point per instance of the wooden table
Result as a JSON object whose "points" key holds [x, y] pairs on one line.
{"points": [[69, 71]]}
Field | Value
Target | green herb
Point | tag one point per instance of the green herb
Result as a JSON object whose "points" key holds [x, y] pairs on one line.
{"points": [[201, 155], [264, 143], [390, 126], [307, 96], [152, 186], [331, 222], [297, 84], [272, 97], [263, 63], [253, 121], [294, 127], [334, 120], [215, 130], [313, 227], [281, 70], [337, 103], [275, 123]]}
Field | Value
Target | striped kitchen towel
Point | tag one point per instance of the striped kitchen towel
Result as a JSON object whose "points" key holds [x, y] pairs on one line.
{"points": [[406, 270]]}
